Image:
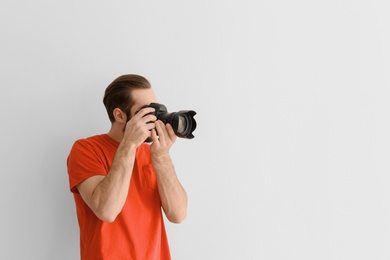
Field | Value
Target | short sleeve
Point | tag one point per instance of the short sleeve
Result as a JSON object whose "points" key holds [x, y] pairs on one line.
{"points": [[83, 162]]}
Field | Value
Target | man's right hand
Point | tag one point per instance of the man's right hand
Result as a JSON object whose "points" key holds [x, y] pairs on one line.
{"points": [[139, 127]]}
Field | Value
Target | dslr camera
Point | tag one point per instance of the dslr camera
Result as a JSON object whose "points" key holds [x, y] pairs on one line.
{"points": [[182, 122]]}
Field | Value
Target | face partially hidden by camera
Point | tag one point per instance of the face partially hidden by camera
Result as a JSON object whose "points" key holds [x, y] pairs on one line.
{"points": [[141, 98], [183, 121]]}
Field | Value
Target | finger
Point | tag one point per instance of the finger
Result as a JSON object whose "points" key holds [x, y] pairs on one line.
{"points": [[145, 111], [150, 126], [171, 133], [148, 119], [154, 136], [160, 128]]}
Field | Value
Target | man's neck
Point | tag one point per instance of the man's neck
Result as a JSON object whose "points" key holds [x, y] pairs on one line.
{"points": [[116, 132]]}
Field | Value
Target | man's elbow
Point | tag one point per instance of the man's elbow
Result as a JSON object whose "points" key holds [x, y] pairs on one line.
{"points": [[106, 216], [178, 217]]}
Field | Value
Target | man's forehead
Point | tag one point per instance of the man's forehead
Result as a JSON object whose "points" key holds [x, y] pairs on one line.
{"points": [[142, 98]]}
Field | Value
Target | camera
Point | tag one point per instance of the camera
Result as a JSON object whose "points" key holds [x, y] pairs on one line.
{"points": [[182, 122]]}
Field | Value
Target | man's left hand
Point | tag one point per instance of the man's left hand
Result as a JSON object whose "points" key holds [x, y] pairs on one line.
{"points": [[163, 142]]}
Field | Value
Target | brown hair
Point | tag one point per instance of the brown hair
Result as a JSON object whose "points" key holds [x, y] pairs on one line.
{"points": [[118, 93]]}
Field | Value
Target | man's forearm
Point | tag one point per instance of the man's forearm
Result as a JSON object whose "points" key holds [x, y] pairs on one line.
{"points": [[110, 194], [173, 196]]}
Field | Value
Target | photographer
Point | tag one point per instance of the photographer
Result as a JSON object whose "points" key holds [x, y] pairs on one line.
{"points": [[120, 183]]}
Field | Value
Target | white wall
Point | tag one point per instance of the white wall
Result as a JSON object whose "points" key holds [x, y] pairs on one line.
{"points": [[291, 154]]}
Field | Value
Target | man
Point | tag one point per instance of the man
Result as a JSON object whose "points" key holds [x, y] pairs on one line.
{"points": [[120, 183]]}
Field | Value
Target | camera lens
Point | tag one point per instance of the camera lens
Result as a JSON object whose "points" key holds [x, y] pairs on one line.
{"points": [[181, 126]]}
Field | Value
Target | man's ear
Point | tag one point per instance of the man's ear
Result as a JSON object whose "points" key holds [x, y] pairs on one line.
{"points": [[119, 116]]}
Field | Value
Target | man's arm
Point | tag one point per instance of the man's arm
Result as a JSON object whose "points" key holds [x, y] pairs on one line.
{"points": [[106, 195], [173, 196]]}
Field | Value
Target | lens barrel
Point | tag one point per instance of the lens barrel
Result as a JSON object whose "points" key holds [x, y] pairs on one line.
{"points": [[182, 122]]}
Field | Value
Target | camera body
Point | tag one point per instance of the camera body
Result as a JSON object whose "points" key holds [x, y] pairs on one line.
{"points": [[182, 122]]}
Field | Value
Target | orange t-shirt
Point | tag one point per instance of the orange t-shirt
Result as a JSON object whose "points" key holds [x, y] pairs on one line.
{"points": [[138, 232]]}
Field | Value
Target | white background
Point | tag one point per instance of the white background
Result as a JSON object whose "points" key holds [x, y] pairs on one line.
{"points": [[291, 154]]}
